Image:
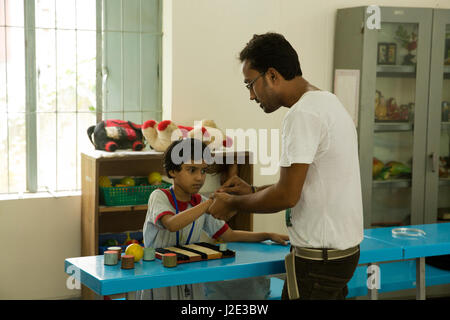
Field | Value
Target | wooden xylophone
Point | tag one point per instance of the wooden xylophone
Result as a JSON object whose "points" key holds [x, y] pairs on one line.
{"points": [[195, 252]]}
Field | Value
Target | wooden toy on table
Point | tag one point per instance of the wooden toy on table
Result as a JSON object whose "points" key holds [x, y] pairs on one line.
{"points": [[111, 258], [195, 252], [169, 260], [127, 262], [118, 250], [149, 254]]}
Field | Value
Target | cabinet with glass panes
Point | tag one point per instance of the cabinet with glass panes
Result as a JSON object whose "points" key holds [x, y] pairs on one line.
{"points": [[403, 55]]}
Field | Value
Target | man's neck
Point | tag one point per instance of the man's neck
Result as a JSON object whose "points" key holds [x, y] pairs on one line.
{"points": [[297, 87], [180, 194]]}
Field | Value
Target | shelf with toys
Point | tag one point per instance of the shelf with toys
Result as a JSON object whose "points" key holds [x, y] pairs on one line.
{"points": [[391, 174]]}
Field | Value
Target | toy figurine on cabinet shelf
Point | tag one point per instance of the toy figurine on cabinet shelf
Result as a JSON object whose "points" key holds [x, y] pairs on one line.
{"points": [[393, 111], [380, 106]]}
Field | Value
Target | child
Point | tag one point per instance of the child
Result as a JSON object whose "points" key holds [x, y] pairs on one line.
{"points": [[177, 216]]}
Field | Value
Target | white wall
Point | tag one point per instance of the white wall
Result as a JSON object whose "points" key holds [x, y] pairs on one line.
{"points": [[201, 80], [36, 236]]}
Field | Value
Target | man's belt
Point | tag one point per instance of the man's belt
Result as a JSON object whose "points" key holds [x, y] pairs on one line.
{"points": [[324, 254]]}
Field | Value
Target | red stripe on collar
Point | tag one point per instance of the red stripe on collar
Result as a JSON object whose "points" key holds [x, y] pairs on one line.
{"points": [[182, 205]]}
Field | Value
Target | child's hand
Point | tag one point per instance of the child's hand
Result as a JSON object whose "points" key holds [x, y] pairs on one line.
{"points": [[222, 207], [279, 238]]}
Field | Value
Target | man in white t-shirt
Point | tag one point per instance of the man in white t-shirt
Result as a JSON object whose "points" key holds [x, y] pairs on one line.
{"points": [[319, 182]]}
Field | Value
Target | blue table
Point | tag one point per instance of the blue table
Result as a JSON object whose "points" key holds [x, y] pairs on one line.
{"points": [[436, 241], [252, 260]]}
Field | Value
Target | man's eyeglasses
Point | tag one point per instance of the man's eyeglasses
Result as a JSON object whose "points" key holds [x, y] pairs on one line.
{"points": [[249, 85]]}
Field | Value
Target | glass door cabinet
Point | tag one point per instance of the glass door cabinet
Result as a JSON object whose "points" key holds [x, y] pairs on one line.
{"points": [[404, 102], [437, 190]]}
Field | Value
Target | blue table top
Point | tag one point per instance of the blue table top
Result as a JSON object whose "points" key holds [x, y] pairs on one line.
{"points": [[374, 250], [251, 260], [435, 242]]}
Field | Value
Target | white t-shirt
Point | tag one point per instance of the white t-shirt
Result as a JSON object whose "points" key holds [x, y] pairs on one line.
{"points": [[162, 203], [318, 130], [155, 235]]}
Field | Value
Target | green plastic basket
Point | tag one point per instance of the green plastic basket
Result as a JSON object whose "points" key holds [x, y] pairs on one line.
{"points": [[126, 196]]}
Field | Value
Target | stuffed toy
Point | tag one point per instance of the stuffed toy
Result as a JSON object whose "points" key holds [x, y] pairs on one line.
{"points": [[110, 135], [161, 135]]}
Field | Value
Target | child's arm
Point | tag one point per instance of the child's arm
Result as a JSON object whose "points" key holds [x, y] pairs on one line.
{"points": [[248, 236], [177, 222]]}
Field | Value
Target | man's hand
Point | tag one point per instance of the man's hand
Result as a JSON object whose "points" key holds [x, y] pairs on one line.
{"points": [[236, 185], [222, 208]]}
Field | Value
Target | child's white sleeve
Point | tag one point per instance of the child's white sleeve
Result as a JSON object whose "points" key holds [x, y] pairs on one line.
{"points": [[158, 206]]}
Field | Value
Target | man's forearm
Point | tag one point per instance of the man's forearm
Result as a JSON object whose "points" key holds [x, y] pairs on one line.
{"points": [[257, 189], [267, 199]]}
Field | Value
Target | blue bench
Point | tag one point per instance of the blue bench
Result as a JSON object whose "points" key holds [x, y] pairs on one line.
{"points": [[394, 276]]}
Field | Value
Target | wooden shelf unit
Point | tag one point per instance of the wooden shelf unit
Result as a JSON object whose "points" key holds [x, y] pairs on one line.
{"points": [[97, 219]]}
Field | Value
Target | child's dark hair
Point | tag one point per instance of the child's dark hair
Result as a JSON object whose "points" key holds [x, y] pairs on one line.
{"points": [[185, 150]]}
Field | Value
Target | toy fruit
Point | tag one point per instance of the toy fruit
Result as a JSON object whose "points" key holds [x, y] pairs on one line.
{"points": [[110, 243], [384, 174], [377, 166], [154, 178], [135, 250], [128, 181], [397, 169], [129, 240], [104, 182]]}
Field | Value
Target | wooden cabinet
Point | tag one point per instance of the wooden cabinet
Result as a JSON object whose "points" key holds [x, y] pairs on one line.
{"points": [[97, 219]]}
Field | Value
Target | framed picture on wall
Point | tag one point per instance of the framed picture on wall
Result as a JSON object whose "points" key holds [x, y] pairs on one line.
{"points": [[382, 53]]}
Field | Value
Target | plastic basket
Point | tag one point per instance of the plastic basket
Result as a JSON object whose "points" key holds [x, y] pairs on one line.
{"points": [[126, 196]]}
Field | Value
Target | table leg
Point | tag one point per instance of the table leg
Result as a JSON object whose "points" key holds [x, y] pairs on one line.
{"points": [[373, 280], [420, 279]]}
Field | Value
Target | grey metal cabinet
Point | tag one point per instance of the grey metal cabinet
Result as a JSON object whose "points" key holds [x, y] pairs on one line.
{"points": [[437, 188], [402, 89]]}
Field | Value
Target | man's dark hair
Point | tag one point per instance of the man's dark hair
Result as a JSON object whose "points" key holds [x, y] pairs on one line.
{"points": [[185, 150], [272, 50]]}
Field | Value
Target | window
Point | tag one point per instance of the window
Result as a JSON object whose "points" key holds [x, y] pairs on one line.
{"points": [[85, 61]]}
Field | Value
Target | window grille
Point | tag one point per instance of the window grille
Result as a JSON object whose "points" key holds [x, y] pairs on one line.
{"points": [[83, 61]]}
